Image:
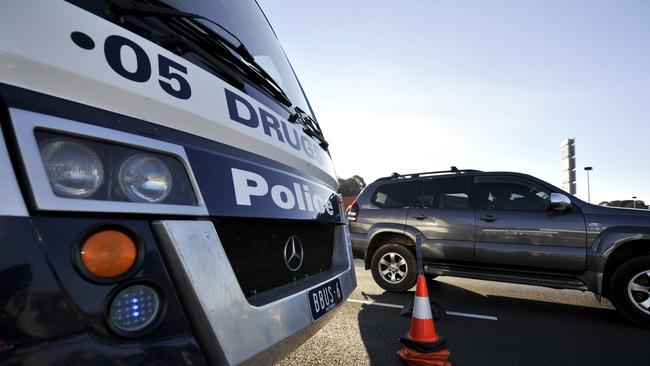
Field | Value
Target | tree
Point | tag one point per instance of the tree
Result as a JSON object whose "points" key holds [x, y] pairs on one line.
{"points": [[351, 186]]}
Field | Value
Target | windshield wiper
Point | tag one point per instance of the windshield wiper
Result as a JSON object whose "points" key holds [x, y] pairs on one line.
{"points": [[135, 8], [309, 126]]}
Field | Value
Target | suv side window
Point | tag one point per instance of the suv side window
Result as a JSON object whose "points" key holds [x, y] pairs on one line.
{"points": [[445, 193], [511, 196], [392, 195]]}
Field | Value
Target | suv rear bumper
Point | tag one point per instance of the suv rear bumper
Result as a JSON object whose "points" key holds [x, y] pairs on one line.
{"points": [[359, 245], [229, 329]]}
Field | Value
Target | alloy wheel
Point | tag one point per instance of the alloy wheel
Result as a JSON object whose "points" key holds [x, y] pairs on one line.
{"points": [[393, 267], [638, 290]]}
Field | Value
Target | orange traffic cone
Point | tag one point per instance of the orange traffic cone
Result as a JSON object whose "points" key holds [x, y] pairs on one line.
{"points": [[421, 345]]}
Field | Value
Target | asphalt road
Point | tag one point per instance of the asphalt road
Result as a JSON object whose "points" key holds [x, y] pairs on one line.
{"points": [[533, 326]]}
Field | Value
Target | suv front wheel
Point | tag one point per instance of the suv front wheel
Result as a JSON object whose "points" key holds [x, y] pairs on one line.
{"points": [[630, 290], [394, 268]]}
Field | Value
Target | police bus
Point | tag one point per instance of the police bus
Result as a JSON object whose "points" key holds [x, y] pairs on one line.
{"points": [[166, 193]]}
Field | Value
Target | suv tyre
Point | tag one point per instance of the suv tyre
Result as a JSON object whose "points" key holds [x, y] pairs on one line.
{"points": [[394, 268], [629, 289]]}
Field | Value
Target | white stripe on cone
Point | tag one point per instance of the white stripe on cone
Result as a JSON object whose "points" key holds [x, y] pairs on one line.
{"points": [[422, 308]]}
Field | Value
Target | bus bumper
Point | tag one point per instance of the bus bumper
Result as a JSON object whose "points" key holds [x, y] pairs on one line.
{"points": [[229, 329]]}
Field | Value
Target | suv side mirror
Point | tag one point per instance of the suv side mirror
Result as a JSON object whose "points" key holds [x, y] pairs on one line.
{"points": [[560, 202]]}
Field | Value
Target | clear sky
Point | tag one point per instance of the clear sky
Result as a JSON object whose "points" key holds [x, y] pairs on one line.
{"points": [[422, 85]]}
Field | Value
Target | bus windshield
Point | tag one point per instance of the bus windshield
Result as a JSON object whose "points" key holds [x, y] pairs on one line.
{"points": [[245, 20]]}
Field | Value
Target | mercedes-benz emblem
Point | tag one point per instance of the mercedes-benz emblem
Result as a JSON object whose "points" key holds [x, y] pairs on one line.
{"points": [[293, 253]]}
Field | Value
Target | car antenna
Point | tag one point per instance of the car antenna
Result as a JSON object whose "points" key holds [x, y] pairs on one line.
{"points": [[455, 170]]}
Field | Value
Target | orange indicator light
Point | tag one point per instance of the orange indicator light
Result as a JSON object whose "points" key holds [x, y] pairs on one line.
{"points": [[108, 253]]}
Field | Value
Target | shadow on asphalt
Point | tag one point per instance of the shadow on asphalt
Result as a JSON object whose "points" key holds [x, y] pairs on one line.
{"points": [[380, 327], [527, 332]]}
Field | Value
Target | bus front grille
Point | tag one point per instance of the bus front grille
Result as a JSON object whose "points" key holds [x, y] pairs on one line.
{"points": [[266, 254]]}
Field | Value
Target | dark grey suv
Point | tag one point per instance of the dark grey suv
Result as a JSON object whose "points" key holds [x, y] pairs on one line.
{"points": [[502, 226]]}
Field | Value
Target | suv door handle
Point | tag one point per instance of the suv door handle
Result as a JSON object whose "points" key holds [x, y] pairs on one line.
{"points": [[420, 216], [488, 218]]}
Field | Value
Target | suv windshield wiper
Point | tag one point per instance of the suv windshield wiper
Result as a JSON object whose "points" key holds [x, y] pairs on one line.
{"points": [[270, 84]]}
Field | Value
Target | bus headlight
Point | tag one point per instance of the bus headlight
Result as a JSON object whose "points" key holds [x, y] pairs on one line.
{"points": [[73, 169], [145, 178]]}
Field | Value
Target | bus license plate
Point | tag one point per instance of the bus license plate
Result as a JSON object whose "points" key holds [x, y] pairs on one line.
{"points": [[324, 298]]}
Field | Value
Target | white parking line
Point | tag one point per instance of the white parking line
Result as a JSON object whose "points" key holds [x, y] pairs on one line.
{"points": [[453, 313], [377, 303], [470, 315]]}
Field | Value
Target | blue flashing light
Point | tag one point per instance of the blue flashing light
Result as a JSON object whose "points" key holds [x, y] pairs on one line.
{"points": [[128, 317]]}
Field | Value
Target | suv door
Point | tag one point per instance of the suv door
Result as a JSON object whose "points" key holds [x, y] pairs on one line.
{"points": [[515, 227], [444, 214], [388, 206]]}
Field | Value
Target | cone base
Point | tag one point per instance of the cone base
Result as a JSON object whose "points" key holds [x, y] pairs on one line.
{"points": [[414, 358], [423, 347]]}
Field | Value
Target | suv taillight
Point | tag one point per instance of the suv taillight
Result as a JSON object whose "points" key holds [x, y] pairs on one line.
{"points": [[352, 212]]}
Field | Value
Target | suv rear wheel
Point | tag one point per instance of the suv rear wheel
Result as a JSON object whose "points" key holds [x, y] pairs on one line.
{"points": [[394, 268], [630, 289]]}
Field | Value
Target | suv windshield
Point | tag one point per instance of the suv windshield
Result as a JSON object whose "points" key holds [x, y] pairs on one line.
{"points": [[243, 19]]}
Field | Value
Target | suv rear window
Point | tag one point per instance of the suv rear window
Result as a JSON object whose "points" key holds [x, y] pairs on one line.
{"points": [[392, 195], [445, 193]]}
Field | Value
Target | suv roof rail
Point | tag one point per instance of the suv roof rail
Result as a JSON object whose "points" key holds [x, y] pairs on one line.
{"points": [[417, 175]]}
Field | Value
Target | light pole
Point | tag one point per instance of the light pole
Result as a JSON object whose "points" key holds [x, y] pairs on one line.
{"points": [[634, 198], [588, 169]]}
